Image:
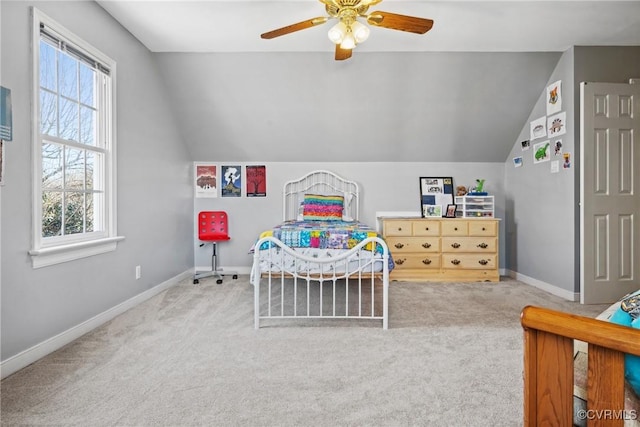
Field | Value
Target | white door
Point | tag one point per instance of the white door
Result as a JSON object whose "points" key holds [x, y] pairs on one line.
{"points": [[609, 191]]}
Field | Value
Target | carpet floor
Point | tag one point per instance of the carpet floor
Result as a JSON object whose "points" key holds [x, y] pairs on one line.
{"points": [[452, 356]]}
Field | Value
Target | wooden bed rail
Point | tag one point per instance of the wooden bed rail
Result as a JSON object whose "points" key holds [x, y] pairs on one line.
{"points": [[548, 367]]}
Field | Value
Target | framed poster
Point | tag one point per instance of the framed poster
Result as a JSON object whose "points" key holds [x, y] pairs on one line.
{"points": [[6, 125], [205, 180], [436, 193], [256, 181], [231, 181]]}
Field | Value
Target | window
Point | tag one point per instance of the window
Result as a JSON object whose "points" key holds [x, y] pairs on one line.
{"points": [[74, 147]]}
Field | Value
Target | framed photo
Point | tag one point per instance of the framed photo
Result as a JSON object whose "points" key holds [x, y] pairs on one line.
{"points": [[436, 193], [205, 180], [451, 211]]}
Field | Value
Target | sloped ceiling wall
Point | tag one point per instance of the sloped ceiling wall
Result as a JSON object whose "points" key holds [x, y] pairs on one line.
{"points": [[431, 106]]}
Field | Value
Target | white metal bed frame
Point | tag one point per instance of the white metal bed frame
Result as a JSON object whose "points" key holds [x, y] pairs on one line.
{"points": [[359, 269]]}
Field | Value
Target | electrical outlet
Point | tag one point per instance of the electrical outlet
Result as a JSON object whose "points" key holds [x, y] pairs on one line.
{"points": [[138, 272]]}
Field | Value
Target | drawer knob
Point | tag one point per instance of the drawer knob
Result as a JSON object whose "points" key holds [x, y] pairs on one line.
{"points": [[399, 245], [483, 245], [426, 228], [400, 261], [455, 228], [455, 261], [483, 229], [399, 228], [426, 261], [455, 245], [483, 262], [426, 245]]}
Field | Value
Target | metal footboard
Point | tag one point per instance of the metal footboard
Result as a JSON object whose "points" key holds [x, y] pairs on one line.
{"points": [[352, 285]]}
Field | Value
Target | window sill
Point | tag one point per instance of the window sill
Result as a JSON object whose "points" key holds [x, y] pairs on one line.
{"points": [[63, 253]]}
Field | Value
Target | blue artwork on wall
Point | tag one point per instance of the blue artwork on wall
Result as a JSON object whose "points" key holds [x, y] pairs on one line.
{"points": [[232, 181], [6, 128]]}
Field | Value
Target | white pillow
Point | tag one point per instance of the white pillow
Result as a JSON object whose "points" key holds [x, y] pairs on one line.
{"points": [[346, 209]]}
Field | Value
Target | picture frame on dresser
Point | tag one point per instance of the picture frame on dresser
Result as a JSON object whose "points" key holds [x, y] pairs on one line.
{"points": [[451, 211], [436, 193]]}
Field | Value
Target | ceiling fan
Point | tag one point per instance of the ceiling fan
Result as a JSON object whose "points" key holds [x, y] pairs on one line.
{"points": [[348, 32]]}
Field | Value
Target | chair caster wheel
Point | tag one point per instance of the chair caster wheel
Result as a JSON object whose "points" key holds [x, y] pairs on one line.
{"points": [[196, 281], [235, 276], [219, 281]]}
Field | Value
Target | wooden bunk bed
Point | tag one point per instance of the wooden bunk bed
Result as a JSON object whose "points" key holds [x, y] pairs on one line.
{"points": [[549, 369]]}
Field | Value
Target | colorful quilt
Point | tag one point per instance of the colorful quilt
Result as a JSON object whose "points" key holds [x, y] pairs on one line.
{"points": [[321, 234]]}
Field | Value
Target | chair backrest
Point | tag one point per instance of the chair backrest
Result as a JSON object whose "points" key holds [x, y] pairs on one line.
{"points": [[213, 225]]}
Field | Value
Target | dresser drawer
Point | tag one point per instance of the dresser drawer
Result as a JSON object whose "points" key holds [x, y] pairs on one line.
{"points": [[455, 228], [416, 262], [425, 228], [483, 228], [469, 244], [397, 228], [413, 244], [469, 261]]}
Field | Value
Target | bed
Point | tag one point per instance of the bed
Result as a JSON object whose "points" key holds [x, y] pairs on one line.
{"points": [[320, 261], [569, 359]]}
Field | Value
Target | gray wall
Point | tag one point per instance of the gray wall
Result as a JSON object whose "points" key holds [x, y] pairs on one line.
{"points": [[384, 187], [539, 225], [155, 203], [543, 217], [396, 107]]}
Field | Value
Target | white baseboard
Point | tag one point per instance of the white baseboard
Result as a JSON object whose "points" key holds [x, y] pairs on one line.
{"points": [[38, 351], [554, 290]]}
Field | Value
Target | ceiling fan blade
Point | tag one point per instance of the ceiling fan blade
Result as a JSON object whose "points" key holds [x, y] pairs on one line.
{"points": [[295, 27], [394, 21], [342, 54]]}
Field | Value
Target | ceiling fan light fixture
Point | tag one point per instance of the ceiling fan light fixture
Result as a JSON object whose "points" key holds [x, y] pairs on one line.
{"points": [[354, 24], [349, 41], [337, 33], [360, 31]]}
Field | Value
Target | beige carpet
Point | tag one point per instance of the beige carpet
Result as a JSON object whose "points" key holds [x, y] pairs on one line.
{"points": [[190, 356]]}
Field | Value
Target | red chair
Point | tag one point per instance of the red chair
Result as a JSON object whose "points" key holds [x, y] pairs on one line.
{"points": [[213, 228]]}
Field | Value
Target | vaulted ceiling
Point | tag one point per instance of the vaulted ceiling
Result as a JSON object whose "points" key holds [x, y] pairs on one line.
{"points": [[460, 92]]}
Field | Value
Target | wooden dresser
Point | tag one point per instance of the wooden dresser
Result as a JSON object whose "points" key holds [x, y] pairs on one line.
{"points": [[443, 249]]}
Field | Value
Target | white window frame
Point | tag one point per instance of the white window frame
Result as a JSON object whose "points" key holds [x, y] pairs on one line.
{"points": [[55, 250]]}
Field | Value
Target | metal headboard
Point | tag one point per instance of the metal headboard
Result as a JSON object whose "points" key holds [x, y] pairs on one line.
{"points": [[320, 182]]}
